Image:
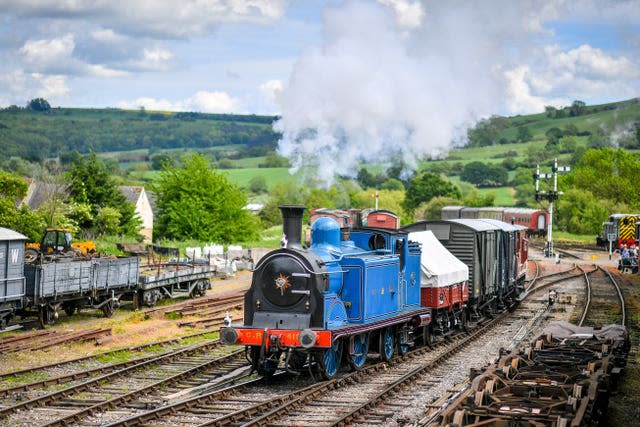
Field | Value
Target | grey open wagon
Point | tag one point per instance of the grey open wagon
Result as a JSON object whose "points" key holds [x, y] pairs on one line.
{"points": [[73, 284]]}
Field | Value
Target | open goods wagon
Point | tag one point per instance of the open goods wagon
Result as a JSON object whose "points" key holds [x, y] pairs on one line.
{"points": [[74, 284]]}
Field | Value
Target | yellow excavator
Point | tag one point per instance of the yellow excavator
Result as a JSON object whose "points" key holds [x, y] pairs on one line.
{"points": [[56, 241]]}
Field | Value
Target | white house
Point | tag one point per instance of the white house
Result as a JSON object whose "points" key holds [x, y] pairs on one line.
{"points": [[138, 197]]}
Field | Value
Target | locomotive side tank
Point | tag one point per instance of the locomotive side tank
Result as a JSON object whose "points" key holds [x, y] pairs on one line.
{"points": [[344, 294]]}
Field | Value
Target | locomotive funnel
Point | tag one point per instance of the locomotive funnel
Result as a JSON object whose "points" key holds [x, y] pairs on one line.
{"points": [[292, 225]]}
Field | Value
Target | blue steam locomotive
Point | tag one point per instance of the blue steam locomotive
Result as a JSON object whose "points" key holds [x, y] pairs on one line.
{"points": [[352, 293]]}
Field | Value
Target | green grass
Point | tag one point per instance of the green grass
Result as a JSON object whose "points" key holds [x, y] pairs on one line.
{"points": [[503, 195], [117, 357], [562, 236], [272, 176]]}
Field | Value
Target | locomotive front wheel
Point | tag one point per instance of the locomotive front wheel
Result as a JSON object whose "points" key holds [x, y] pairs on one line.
{"points": [[329, 360], [360, 349], [386, 344]]}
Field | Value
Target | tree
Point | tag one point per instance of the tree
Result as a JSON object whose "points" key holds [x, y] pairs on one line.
{"points": [[550, 111], [91, 183], [258, 184], [483, 174], [12, 189], [608, 174], [580, 212], [159, 160], [577, 108], [524, 134], [426, 186], [39, 104], [196, 202]]}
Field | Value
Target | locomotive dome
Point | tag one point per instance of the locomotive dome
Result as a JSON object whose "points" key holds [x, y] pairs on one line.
{"points": [[325, 234]]}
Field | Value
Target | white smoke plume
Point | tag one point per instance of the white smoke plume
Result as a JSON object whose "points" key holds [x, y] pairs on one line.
{"points": [[380, 87]]}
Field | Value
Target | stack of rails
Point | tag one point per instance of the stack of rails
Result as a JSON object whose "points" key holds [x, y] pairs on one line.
{"points": [[563, 379]]}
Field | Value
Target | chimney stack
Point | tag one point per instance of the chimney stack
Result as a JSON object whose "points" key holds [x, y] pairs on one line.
{"points": [[292, 225]]}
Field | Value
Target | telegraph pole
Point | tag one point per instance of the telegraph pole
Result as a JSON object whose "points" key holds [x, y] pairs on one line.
{"points": [[550, 196]]}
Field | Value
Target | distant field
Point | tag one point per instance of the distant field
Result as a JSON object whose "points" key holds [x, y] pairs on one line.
{"points": [[504, 195], [272, 176]]}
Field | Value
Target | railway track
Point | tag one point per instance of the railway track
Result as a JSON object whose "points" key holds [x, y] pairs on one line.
{"points": [[296, 402], [286, 400], [600, 290], [44, 339], [605, 302], [198, 363], [81, 364]]}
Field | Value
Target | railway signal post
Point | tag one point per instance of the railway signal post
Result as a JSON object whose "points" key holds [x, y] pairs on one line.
{"points": [[550, 196]]}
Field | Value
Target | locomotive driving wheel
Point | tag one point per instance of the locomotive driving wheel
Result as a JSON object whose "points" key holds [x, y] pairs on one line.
{"points": [[329, 360], [386, 344], [358, 358]]}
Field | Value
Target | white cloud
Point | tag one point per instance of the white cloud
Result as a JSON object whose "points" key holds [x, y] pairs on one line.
{"points": [[27, 86], [201, 101], [55, 57], [108, 35], [519, 99], [168, 18], [409, 14], [44, 53], [581, 73]]}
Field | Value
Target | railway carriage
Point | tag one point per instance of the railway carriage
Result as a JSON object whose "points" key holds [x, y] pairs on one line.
{"points": [[12, 282], [534, 220], [512, 256], [352, 295], [475, 243]]}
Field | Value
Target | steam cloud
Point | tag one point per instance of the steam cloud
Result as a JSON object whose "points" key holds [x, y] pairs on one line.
{"points": [[377, 90]]}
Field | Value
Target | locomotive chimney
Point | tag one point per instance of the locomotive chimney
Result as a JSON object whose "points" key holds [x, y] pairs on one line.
{"points": [[291, 225]]}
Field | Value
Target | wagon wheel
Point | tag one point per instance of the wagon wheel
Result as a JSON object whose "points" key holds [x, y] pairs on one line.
{"points": [[360, 350], [199, 289], [386, 344], [69, 308], [47, 315], [108, 308], [329, 360]]}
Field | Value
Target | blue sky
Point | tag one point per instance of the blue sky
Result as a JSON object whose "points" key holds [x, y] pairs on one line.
{"points": [[94, 55], [372, 78]]}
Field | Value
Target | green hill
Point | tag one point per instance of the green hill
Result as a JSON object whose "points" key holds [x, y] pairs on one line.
{"points": [[35, 135]]}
